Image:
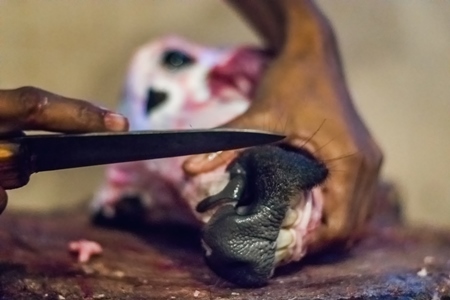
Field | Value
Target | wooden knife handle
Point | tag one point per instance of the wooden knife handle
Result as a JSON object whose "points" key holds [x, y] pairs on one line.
{"points": [[15, 168]]}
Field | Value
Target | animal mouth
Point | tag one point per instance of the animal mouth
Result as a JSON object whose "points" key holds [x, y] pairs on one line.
{"points": [[241, 72], [302, 217], [264, 215]]}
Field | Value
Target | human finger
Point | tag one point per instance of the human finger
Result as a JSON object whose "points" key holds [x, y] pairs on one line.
{"points": [[202, 163], [29, 108], [207, 162]]}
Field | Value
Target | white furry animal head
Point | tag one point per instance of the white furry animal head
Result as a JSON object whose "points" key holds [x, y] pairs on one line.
{"points": [[173, 83]]}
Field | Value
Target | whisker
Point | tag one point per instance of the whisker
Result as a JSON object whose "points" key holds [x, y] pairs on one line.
{"points": [[336, 170], [333, 168], [340, 157], [314, 133], [323, 146], [282, 116], [265, 122], [286, 122]]}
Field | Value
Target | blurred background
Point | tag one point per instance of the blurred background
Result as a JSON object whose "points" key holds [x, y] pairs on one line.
{"points": [[396, 54]]}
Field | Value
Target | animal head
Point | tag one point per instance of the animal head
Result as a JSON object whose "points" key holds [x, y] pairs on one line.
{"points": [[264, 213], [173, 83]]}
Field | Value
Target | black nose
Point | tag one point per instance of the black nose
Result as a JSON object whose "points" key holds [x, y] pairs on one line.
{"points": [[154, 99]]}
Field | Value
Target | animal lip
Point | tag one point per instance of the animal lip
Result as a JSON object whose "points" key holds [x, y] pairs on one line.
{"points": [[242, 71], [301, 220]]}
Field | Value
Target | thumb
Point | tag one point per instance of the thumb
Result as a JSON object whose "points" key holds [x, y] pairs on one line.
{"points": [[207, 162], [3, 200]]}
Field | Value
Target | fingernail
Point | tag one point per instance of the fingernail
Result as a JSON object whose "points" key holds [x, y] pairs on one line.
{"points": [[195, 164], [197, 159], [203, 158], [116, 122], [213, 155]]}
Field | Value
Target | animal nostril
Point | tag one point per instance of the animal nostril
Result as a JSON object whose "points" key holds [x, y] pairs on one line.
{"points": [[176, 59], [154, 99]]}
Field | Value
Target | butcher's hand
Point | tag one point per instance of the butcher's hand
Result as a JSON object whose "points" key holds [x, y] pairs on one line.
{"points": [[29, 108], [304, 95]]}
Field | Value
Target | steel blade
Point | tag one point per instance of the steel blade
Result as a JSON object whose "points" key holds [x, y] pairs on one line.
{"points": [[63, 151]]}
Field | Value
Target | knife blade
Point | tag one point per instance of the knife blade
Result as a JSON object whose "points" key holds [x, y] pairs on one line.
{"points": [[63, 151]]}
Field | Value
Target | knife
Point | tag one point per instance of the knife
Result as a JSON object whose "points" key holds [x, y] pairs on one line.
{"points": [[24, 155]]}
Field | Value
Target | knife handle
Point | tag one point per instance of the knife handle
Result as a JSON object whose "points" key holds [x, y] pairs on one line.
{"points": [[15, 168]]}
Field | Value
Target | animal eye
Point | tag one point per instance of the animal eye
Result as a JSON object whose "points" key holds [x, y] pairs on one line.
{"points": [[176, 59], [154, 99]]}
